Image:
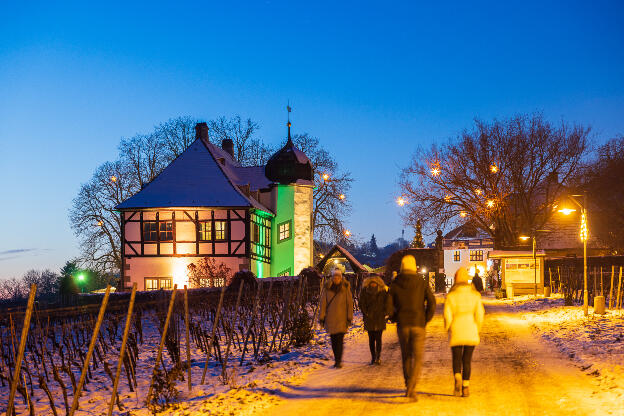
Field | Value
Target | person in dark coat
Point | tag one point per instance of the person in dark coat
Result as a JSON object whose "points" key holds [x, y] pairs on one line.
{"points": [[477, 282], [414, 306], [336, 312], [376, 306]]}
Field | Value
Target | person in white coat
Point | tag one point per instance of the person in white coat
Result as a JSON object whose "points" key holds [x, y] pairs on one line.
{"points": [[463, 317]]}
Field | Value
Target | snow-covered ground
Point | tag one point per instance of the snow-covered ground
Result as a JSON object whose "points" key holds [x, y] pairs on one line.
{"points": [[595, 343], [248, 388]]}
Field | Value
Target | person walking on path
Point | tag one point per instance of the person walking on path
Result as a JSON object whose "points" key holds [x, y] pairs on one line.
{"points": [[463, 317], [414, 306], [375, 305], [477, 282], [337, 312]]}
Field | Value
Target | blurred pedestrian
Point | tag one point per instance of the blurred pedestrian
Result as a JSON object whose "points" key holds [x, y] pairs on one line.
{"points": [[477, 282], [413, 307], [463, 317], [337, 312], [375, 305]]}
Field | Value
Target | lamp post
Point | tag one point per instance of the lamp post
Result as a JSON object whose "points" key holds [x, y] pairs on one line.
{"points": [[584, 235], [534, 244]]}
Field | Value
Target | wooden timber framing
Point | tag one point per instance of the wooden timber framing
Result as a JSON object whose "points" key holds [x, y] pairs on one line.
{"points": [[236, 247]]}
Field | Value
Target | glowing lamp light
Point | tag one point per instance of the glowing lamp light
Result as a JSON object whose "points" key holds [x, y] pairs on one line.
{"points": [[347, 233], [490, 203], [113, 178], [566, 211], [81, 277], [423, 270], [463, 214], [524, 237], [325, 176], [447, 198], [435, 171], [478, 191], [100, 223], [401, 201], [584, 231], [341, 197], [493, 168]]}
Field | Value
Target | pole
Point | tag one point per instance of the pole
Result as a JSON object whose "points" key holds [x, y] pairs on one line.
{"points": [[611, 286], [534, 267], [585, 295], [122, 350], [94, 337], [188, 342], [22, 347]]}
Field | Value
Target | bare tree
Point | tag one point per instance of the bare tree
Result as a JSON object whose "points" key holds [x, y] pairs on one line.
{"points": [[248, 149], [505, 176], [46, 280], [207, 272], [176, 135], [602, 180], [330, 202], [94, 219], [12, 289]]}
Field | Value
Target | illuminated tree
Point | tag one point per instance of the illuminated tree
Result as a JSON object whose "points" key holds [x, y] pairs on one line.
{"points": [[506, 176], [418, 242]]}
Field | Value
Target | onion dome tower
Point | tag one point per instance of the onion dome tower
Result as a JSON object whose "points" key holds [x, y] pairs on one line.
{"points": [[289, 164], [291, 172]]}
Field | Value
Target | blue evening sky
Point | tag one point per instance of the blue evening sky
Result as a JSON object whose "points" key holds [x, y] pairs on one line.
{"points": [[371, 80]]}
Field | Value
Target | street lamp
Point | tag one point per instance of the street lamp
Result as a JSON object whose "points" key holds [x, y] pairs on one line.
{"points": [[534, 245], [81, 278], [583, 234]]}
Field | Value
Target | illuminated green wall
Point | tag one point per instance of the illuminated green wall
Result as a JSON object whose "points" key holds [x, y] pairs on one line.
{"points": [[283, 254]]}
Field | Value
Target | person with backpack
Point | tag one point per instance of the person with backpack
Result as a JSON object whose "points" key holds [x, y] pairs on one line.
{"points": [[375, 305], [414, 306], [463, 317], [336, 312]]}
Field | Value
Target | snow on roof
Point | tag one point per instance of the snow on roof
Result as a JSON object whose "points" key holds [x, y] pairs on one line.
{"points": [[466, 231], [196, 178]]}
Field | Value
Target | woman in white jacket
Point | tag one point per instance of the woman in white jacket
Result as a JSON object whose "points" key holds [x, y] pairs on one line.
{"points": [[463, 317]]}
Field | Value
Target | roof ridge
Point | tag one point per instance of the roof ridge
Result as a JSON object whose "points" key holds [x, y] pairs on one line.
{"points": [[252, 201]]}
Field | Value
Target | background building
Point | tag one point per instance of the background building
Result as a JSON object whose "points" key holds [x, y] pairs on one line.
{"points": [[466, 246]]}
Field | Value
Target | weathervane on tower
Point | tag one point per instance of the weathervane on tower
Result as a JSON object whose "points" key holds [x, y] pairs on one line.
{"points": [[288, 109]]}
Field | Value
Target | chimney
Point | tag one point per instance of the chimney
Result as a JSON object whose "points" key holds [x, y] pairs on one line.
{"points": [[201, 131], [228, 146]]}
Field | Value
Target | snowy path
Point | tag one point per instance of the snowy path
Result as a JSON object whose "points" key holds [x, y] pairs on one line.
{"points": [[514, 373]]}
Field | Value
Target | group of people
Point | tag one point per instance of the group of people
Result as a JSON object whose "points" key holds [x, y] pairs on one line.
{"points": [[410, 303]]}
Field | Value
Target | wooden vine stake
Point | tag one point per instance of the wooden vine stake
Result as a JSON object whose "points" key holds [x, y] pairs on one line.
{"points": [[162, 342], [94, 337], [22, 347], [188, 342], [611, 287], [122, 350], [212, 335], [619, 290]]}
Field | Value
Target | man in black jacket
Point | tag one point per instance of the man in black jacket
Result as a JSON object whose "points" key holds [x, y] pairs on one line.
{"points": [[414, 306]]}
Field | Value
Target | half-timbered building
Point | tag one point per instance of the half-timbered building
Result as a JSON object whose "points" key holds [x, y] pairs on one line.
{"points": [[205, 204]]}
